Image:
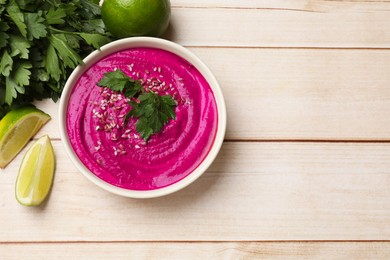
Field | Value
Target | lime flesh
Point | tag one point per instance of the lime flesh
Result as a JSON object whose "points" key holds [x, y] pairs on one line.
{"points": [[36, 173], [16, 129]]}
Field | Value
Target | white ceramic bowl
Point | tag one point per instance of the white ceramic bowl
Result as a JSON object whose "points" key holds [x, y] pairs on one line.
{"points": [[152, 43]]}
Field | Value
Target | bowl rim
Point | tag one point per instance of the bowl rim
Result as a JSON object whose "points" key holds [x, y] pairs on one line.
{"points": [[151, 42]]}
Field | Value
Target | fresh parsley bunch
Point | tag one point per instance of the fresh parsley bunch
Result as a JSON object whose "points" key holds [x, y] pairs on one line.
{"points": [[41, 41]]}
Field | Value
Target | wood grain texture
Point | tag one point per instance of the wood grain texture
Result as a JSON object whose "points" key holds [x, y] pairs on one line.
{"points": [[325, 25], [297, 94], [299, 78], [296, 5], [216, 250], [254, 191]]}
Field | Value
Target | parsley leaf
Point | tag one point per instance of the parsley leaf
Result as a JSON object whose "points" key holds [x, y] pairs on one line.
{"points": [[55, 16], [94, 39], [35, 27], [19, 46], [68, 55], [152, 110], [52, 63], [22, 74], [17, 17], [6, 64], [10, 90], [117, 80]]}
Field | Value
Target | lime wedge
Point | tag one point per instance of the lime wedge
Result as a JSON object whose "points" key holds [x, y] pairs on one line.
{"points": [[36, 173], [16, 129]]}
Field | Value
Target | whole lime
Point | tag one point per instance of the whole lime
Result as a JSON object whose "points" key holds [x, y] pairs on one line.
{"points": [[127, 18]]}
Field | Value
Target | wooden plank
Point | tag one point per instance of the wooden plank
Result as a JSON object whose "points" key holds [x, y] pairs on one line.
{"points": [[224, 250], [253, 192], [303, 94], [296, 5], [297, 94], [323, 24]]}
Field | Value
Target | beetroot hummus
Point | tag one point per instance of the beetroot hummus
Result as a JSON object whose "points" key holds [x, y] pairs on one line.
{"points": [[113, 150]]}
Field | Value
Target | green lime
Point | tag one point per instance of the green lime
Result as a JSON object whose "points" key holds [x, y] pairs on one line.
{"points": [[16, 129], [127, 18], [36, 173]]}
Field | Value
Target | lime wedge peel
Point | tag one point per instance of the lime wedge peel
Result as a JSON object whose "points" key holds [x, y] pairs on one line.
{"points": [[36, 173], [17, 128]]}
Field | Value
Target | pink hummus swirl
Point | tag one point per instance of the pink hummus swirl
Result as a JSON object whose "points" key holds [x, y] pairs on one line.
{"points": [[113, 150]]}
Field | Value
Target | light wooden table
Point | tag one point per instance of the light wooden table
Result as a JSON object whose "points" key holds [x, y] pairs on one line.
{"points": [[305, 168]]}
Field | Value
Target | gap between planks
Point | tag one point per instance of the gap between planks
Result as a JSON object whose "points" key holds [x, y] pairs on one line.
{"points": [[287, 47], [189, 241], [247, 8], [386, 141]]}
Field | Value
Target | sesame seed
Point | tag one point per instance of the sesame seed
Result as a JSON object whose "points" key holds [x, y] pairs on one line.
{"points": [[114, 137]]}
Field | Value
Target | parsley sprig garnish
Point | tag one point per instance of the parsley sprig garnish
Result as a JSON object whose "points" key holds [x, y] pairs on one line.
{"points": [[152, 110]]}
